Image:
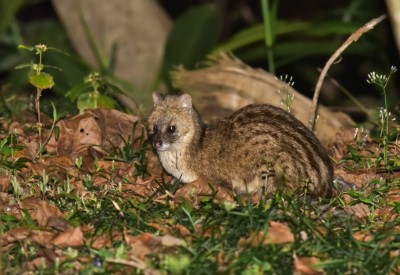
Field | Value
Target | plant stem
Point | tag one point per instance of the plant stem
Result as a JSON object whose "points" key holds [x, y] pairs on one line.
{"points": [[268, 36], [37, 104]]}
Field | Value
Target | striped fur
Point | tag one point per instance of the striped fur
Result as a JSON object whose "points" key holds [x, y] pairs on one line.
{"points": [[259, 146]]}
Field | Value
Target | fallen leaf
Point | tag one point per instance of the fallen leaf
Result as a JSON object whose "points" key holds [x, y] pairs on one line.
{"points": [[359, 178], [37, 263], [388, 214], [42, 238], [5, 181], [360, 211], [277, 233], [363, 236], [105, 240], [14, 235], [170, 241], [45, 211], [71, 237], [200, 188], [305, 265], [58, 223]]}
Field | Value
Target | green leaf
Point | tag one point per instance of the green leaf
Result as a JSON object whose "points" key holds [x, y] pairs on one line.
{"points": [[29, 48], [53, 67], [194, 35], [41, 81], [55, 115], [77, 90], [22, 66], [57, 50], [105, 102], [256, 34], [86, 101]]}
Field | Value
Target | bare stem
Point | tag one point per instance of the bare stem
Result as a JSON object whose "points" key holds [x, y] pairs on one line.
{"points": [[354, 37], [37, 104]]}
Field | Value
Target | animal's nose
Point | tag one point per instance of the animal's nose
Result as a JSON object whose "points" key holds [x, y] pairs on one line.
{"points": [[157, 143]]}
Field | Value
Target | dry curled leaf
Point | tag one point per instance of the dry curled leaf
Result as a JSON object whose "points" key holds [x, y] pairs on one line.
{"points": [[360, 211], [71, 237], [363, 236], [199, 188], [105, 240], [42, 237], [305, 265], [277, 233], [45, 211]]}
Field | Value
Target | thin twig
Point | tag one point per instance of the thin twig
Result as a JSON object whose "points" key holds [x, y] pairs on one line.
{"points": [[353, 38]]}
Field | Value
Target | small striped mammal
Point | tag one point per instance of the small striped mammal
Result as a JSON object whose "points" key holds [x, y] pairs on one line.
{"points": [[259, 147]]}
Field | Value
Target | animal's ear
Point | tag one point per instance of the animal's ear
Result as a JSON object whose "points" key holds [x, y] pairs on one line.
{"points": [[157, 98], [186, 101]]}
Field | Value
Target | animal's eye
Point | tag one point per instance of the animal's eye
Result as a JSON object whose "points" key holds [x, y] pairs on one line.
{"points": [[155, 129], [171, 129]]}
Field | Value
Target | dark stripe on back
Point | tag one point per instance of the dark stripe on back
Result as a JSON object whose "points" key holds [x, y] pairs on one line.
{"points": [[271, 116]]}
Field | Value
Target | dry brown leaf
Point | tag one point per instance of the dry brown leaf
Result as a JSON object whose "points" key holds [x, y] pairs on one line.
{"points": [[360, 211], [98, 128], [42, 237], [138, 248], [388, 214], [183, 230], [71, 237], [363, 236], [150, 243], [359, 178], [278, 233], [304, 265], [5, 181], [58, 223], [5, 199], [14, 235], [170, 241], [194, 191], [38, 263], [105, 240], [45, 211], [394, 194]]}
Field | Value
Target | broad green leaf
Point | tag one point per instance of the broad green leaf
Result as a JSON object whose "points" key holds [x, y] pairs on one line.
{"points": [[41, 81], [332, 28], [86, 101], [77, 90], [194, 35], [256, 34], [105, 102]]}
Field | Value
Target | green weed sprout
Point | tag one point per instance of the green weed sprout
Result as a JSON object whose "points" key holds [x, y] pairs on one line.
{"points": [[16, 187], [39, 79], [382, 81], [93, 92]]}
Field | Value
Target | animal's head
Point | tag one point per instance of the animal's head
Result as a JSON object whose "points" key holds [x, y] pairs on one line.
{"points": [[170, 124]]}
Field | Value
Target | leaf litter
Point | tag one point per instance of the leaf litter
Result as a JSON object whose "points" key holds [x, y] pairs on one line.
{"points": [[88, 201]]}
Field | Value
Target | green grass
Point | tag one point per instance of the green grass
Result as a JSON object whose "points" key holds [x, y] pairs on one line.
{"points": [[215, 233]]}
